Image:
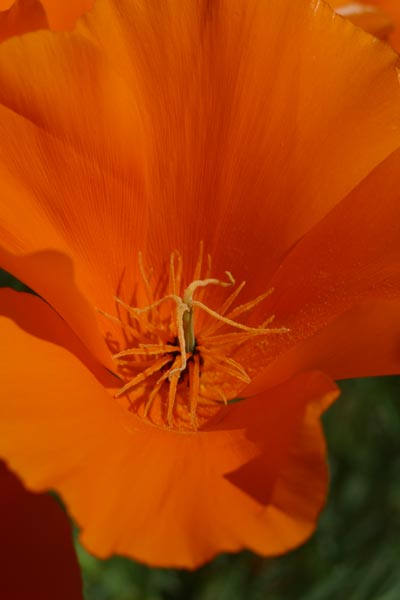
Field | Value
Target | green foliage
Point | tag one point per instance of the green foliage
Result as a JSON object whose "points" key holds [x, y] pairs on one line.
{"points": [[7, 280], [355, 551]]}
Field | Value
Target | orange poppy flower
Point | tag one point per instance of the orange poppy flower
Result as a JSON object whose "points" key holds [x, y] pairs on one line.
{"points": [[168, 157], [379, 17], [21, 16], [38, 558]]}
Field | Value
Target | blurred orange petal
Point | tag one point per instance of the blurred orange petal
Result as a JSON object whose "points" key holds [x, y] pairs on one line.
{"points": [[379, 17], [71, 152], [351, 256], [363, 342], [281, 155], [63, 14], [61, 291], [122, 480], [188, 175], [313, 148], [38, 558], [21, 16]]}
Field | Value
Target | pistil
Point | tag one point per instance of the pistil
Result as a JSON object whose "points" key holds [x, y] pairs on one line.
{"points": [[184, 374], [188, 330]]}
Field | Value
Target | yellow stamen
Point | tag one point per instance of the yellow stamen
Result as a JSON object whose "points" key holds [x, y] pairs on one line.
{"points": [[240, 338], [200, 373], [194, 378], [227, 321], [146, 351], [243, 308], [157, 366], [173, 384], [237, 370], [175, 275], [153, 394], [120, 323], [224, 308], [145, 279]]}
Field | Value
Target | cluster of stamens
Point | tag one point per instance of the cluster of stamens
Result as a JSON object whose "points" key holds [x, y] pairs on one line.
{"points": [[169, 366]]}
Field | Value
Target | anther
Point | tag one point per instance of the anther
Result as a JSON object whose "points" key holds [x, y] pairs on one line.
{"points": [[155, 361]]}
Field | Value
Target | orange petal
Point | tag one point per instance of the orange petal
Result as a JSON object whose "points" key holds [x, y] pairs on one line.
{"points": [[392, 9], [38, 558], [163, 497], [72, 202], [52, 275], [33, 315], [352, 256], [300, 492], [264, 162], [73, 186], [62, 14], [379, 17], [366, 16], [20, 17], [363, 342]]}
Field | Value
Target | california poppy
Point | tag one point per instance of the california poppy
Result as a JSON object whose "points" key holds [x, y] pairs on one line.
{"points": [[37, 558], [21, 16], [169, 156], [379, 17]]}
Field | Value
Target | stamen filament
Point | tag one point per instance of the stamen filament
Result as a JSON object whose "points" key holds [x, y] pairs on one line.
{"points": [[153, 394], [157, 366], [194, 388], [189, 291], [133, 313], [180, 311], [237, 338], [188, 319], [268, 322], [118, 321], [145, 279], [224, 359], [173, 384], [223, 397], [175, 277], [145, 351], [202, 291], [239, 310], [168, 365], [224, 308], [227, 321]]}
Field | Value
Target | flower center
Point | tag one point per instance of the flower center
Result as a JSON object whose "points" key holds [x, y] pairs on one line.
{"points": [[173, 376]]}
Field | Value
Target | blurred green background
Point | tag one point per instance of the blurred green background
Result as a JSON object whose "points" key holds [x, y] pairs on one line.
{"points": [[355, 552]]}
